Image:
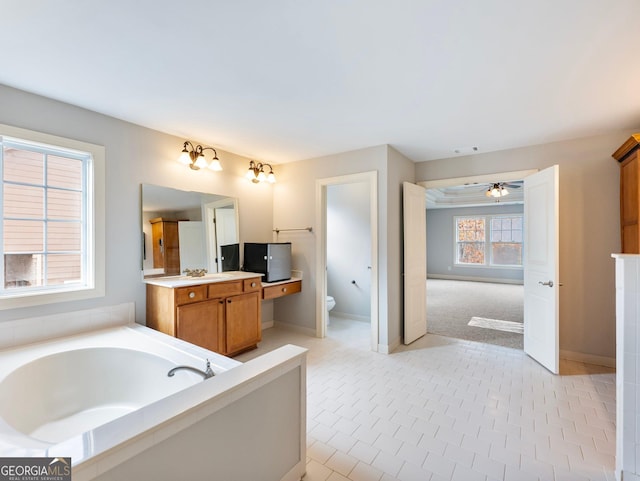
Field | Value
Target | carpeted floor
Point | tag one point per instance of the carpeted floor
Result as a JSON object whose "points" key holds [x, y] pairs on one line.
{"points": [[452, 304]]}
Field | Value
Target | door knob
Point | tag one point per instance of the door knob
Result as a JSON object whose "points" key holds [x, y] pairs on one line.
{"points": [[548, 283]]}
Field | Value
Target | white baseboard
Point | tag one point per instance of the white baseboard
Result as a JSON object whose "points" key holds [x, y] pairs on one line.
{"points": [[474, 279], [267, 325], [588, 358], [294, 327], [389, 348], [346, 315]]}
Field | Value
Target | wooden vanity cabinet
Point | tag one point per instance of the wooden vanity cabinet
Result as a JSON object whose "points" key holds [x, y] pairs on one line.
{"points": [[166, 246], [202, 323], [223, 316], [628, 155]]}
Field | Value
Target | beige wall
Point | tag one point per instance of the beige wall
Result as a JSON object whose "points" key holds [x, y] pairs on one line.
{"points": [[401, 169], [134, 155], [295, 206], [589, 228]]}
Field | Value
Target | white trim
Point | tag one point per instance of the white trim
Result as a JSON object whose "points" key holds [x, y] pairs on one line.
{"points": [[479, 179], [388, 349], [588, 358], [475, 279], [347, 315], [321, 252], [97, 250], [267, 325]]}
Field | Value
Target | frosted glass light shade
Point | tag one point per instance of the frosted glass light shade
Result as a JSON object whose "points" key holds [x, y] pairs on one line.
{"points": [[201, 162], [215, 165], [184, 158]]}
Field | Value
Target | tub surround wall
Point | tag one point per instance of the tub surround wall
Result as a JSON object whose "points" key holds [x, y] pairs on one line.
{"points": [[208, 427], [627, 366], [43, 328]]}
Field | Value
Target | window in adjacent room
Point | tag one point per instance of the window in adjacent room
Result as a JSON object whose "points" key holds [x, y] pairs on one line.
{"points": [[493, 241], [470, 240], [48, 220]]}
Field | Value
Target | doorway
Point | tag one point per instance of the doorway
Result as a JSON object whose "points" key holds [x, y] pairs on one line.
{"points": [[342, 285], [474, 251]]}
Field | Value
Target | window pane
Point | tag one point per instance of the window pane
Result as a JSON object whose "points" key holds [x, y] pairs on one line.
{"points": [[64, 172], [495, 224], [506, 223], [23, 201], [63, 236], [23, 270], [517, 236], [64, 204], [516, 223], [63, 269], [471, 253], [23, 236], [23, 166], [506, 236], [496, 236], [507, 254]]}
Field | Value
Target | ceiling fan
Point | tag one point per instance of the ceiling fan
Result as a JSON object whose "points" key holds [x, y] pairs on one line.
{"points": [[499, 189]]}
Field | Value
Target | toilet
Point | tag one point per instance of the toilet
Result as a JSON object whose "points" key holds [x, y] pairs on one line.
{"points": [[331, 303]]}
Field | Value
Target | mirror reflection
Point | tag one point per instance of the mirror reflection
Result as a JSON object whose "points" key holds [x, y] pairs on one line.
{"points": [[188, 230]]}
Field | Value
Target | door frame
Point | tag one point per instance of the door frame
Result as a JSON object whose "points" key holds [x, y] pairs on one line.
{"points": [[371, 178], [479, 179]]}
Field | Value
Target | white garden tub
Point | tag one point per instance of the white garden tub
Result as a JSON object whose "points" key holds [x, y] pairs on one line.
{"points": [[61, 395], [104, 399]]}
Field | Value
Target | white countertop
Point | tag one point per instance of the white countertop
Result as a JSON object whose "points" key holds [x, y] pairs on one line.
{"points": [[182, 281]]}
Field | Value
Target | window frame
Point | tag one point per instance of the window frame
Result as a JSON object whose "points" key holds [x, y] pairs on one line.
{"points": [[94, 216], [488, 251]]}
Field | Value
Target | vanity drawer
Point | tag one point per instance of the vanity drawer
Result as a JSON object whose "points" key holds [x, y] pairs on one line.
{"points": [[271, 292], [187, 295], [224, 289], [253, 284]]}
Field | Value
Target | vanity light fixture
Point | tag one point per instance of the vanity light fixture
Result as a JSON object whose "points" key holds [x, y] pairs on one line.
{"points": [[497, 190], [256, 173], [194, 157]]}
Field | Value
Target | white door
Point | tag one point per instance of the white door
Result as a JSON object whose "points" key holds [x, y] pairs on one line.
{"points": [[191, 241], [226, 231], [541, 283], [415, 262]]}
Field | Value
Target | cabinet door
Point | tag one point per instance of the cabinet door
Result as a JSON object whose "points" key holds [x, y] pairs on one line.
{"points": [[202, 324], [171, 248], [242, 322], [158, 244], [629, 204]]}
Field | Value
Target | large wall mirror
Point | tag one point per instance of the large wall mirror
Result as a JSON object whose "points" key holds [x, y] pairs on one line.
{"points": [[188, 230]]}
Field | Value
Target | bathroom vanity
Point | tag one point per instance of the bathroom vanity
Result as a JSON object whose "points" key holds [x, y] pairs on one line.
{"points": [[220, 312]]}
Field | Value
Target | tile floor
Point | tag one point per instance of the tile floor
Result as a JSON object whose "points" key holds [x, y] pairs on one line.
{"points": [[445, 409]]}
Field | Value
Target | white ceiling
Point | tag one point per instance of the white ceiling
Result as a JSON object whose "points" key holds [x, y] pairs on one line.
{"points": [[282, 80]]}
